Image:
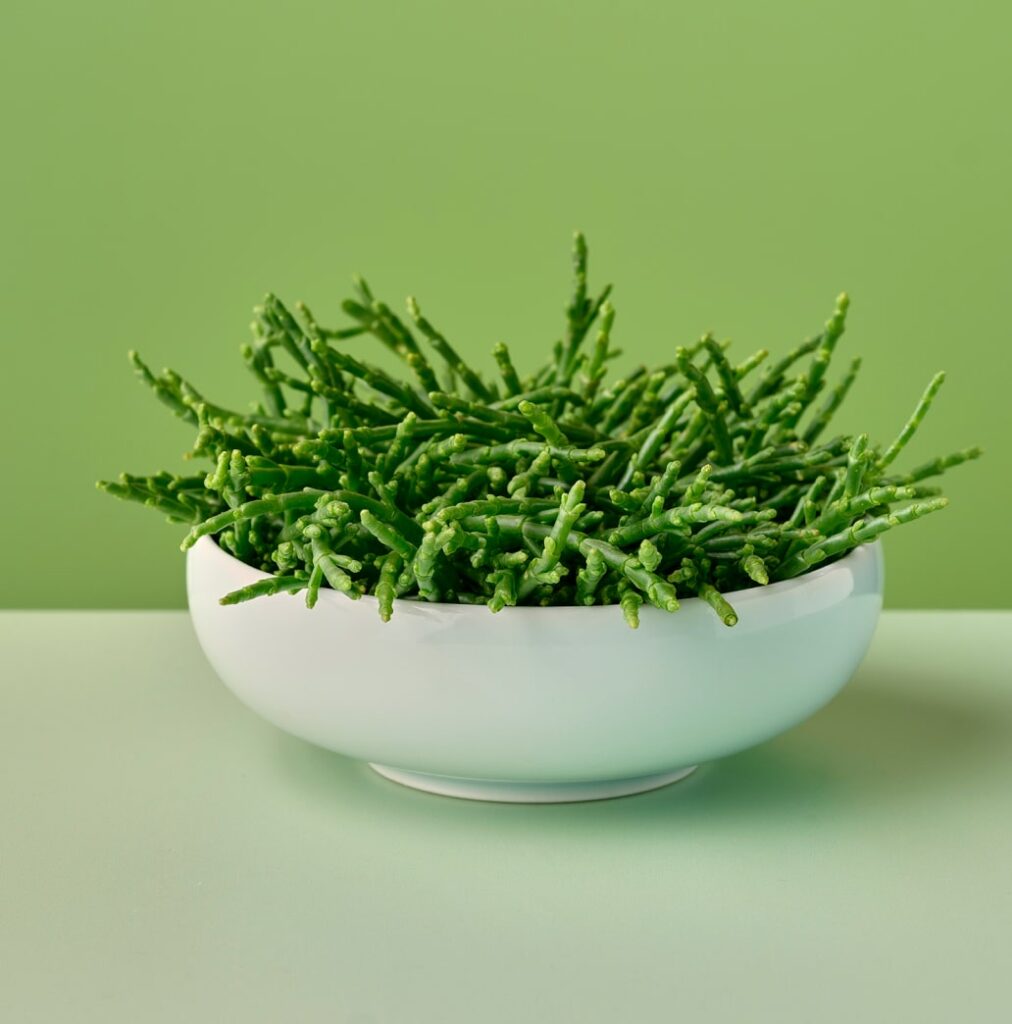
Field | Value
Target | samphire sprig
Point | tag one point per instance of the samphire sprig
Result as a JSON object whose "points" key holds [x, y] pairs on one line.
{"points": [[703, 476]]}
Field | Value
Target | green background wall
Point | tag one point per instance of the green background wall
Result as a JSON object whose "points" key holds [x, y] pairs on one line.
{"points": [[734, 165]]}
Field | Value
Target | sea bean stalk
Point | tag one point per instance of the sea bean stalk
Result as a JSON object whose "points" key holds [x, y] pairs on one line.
{"points": [[701, 477]]}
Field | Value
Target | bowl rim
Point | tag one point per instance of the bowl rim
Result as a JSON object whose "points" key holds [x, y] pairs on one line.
{"points": [[735, 597]]}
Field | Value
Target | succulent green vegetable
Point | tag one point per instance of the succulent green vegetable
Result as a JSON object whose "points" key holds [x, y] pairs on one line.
{"points": [[694, 479]]}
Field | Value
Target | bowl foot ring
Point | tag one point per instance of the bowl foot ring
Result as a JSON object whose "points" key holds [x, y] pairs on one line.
{"points": [[502, 791]]}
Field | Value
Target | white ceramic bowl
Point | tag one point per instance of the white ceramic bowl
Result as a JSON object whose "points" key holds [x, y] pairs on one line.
{"points": [[536, 704]]}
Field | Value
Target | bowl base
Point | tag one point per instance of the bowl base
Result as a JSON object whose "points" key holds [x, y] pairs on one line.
{"points": [[504, 791]]}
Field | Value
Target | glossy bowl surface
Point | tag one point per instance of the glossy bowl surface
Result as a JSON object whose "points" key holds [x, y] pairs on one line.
{"points": [[536, 703]]}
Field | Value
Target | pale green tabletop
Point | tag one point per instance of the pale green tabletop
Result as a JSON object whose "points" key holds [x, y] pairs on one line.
{"points": [[165, 856]]}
